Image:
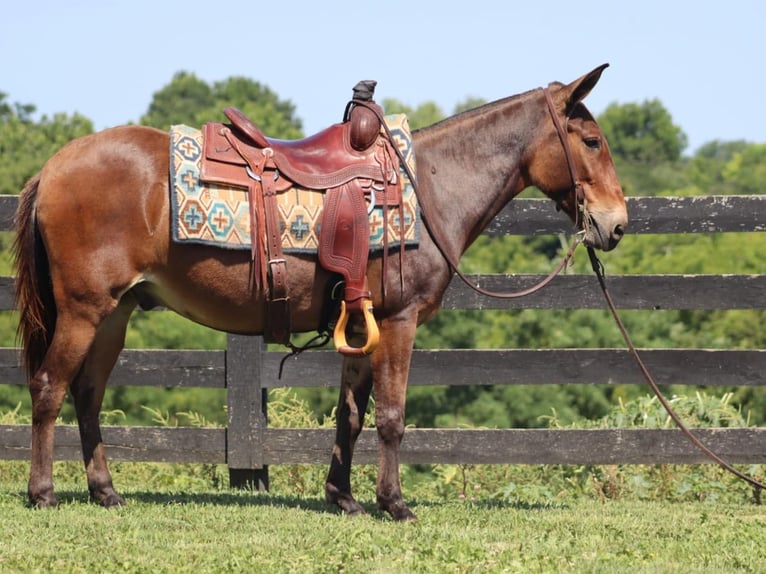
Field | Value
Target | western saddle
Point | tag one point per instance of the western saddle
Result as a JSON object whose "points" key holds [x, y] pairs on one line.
{"points": [[351, 162]]}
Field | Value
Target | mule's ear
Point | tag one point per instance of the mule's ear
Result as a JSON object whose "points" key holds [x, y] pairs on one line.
{"points": [[581, 87]]}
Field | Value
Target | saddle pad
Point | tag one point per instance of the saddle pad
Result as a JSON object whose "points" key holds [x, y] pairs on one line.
{"points": [[218, 215]]}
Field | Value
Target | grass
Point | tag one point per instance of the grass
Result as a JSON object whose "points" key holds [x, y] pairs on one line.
{"points": [[472, 518], [184, 524]]}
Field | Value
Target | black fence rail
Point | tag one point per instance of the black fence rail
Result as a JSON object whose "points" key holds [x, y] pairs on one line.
{"points": [[247, 370]]}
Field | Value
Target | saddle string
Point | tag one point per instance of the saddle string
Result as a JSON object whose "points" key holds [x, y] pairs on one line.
{"points": [[598, 269]]}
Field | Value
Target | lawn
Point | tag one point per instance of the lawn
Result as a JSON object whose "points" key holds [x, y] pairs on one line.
{"points": [[191, 526]]}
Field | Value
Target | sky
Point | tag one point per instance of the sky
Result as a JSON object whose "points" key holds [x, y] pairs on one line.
{"points": [[704, 61]]}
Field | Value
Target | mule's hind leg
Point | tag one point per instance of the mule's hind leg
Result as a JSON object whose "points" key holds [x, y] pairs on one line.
{"points": [[71, 341], [88, 393], [356, 384]]}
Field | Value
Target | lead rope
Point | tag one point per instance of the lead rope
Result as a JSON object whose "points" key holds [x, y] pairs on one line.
{"points": [[598, 269]]}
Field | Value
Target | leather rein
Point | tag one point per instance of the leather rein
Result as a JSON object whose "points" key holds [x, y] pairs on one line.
{"points": [[581, 221]]}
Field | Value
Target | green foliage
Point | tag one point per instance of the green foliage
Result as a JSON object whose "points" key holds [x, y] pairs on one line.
{"points": [[642, 133], [422, 116], [167, 330], [26, 144], [427, 113], [189, 100], [179, 102], [647, 148]]}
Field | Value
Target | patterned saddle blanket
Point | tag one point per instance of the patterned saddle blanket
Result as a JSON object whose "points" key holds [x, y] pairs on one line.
{"points": [[212, 214]]}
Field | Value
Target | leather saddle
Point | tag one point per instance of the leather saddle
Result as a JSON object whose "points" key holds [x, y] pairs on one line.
{"points": [[355, 167]]}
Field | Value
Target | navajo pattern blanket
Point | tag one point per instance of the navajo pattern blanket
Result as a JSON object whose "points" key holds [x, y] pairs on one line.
{"points": [[210, 214]]}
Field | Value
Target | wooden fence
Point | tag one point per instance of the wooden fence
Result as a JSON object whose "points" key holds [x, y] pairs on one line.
{"points": [[246, 369]]}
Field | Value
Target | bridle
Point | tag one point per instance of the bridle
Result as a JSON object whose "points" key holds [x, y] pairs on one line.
{"points": [[577, 187]]}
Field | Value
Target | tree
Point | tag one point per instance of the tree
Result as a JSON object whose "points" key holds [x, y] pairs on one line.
{"points": [[179, 102], [189, 100], [25, 145], [642, 133], [424, 115], [427, 113], [745, 173], [705, 169]]}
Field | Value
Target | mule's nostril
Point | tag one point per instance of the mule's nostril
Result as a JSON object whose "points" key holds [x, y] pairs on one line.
{"points": [[619, 231]]}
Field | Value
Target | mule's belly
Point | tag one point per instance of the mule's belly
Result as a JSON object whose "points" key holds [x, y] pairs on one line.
{"points": [[213, 287]]}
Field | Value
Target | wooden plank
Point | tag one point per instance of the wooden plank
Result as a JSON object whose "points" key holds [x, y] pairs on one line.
{"points": [[126, 444], [525, 446], [7, 294], [719, 367], [170, 368], [145, 368], [582, 291], [588, 366], [697, 214], [420, 446], [8, 205], [714, 367]]}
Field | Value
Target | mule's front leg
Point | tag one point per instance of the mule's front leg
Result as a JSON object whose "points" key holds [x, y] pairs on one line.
{"points": [[356, 384], [391, 366]]}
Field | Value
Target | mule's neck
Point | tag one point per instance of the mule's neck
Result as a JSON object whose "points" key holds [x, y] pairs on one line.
{"points": [[471, 165]]}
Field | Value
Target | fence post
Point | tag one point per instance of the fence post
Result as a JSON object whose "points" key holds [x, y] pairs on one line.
{"points": [[246, 399]]}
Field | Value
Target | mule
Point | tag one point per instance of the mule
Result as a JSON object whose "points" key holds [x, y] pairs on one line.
{"points": [[94, 241]]}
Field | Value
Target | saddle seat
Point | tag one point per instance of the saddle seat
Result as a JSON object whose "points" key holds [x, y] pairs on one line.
{"points": [[324, 160]]}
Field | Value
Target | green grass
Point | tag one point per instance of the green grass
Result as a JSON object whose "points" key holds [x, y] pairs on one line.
{"points": [[472, 518], [177, 522]]}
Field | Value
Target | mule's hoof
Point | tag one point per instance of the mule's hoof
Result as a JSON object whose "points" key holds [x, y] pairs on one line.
{"points": [[43, 501], [399, 512], [405, 515], [108, 499], [354, 509], [113, 500], [344, 501]]}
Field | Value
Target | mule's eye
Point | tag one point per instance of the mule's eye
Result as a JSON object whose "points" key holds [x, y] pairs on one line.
{"points": [[593, 143]]}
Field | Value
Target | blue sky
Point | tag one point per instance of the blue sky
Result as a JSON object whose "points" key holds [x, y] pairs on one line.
{"points": [[703, 61]]}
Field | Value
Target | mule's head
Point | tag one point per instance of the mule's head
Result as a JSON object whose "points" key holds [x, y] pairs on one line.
{"points": [[594, 201]]}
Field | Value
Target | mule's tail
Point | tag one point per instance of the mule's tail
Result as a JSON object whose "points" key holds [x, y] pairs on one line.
{"points": [[34, 293]]}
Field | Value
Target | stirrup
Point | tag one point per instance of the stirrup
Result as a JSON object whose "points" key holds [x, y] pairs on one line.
{"points": [[373, 333]]}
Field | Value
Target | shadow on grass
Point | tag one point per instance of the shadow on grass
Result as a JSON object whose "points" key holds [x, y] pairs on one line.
{"points": [[252, 498], [231, 498]]}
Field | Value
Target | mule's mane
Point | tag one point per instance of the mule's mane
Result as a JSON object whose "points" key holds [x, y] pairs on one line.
{"points": [[476, 112]]}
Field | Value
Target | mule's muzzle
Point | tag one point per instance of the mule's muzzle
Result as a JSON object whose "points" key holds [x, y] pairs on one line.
{"points": [[604, 233]]}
